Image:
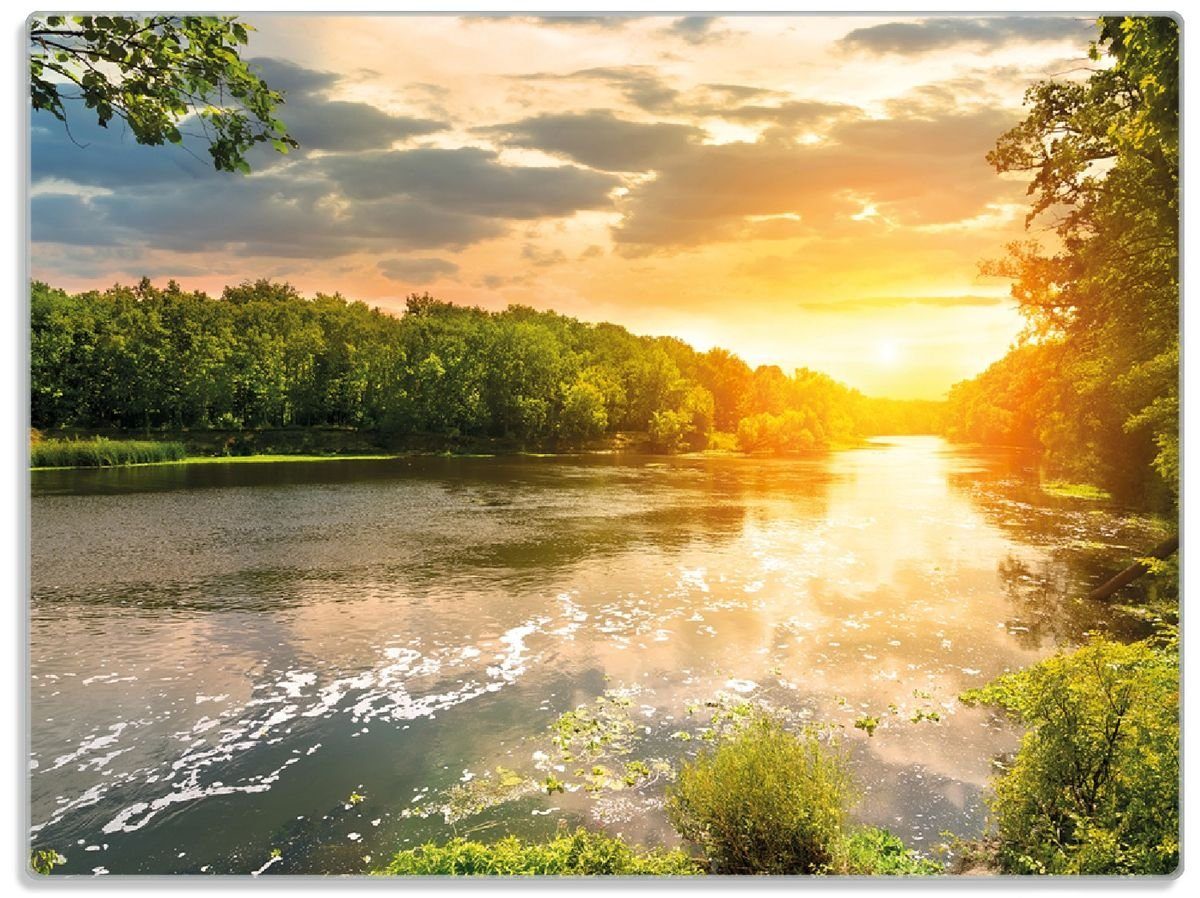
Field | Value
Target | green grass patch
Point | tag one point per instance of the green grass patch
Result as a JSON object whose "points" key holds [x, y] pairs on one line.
{"points": [[272, 458], [102, 453], [581, 853], [201, 459], [1065, 490], [870, 851]]}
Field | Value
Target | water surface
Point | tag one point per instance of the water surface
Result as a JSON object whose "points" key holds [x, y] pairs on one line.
{"points": [[292, 667]]}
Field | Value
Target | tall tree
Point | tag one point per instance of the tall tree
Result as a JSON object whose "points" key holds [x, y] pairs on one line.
{"points": [[1104, 154]]}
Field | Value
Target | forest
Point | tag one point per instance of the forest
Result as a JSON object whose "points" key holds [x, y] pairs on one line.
{"points": [[141, 358]]}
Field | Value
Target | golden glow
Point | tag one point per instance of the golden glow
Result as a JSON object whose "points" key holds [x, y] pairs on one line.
{"points": [[782, 246], [888, 353]]}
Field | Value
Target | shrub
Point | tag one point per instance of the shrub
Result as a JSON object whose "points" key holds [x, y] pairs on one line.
{"points": [[101, 452], [870, 851], [581, 853], [764, 801], [1094, 788]]}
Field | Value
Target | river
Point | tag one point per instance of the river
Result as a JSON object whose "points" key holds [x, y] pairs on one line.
{"points": [[291, 667]]}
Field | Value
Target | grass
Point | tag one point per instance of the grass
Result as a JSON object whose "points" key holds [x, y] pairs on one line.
{"points": [[581, 853], [102, 453], [252, 459], [220, 460]]}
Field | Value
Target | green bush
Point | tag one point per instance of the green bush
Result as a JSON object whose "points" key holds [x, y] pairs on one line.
{"points": [[869, 851], [764, 801], [100, 452], [1094, 788], [581, 853]]}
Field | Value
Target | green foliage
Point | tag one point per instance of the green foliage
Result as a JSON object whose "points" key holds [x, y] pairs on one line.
{"points": [[1096, 388], [100, 452], [870, 851], [44, 860], [764, 801], [265, 357], [1094, 788], [581, 853], [153, 73], [868, 724], [584, 415]]}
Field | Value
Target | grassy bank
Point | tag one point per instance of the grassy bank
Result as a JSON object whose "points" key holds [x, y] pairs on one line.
{"points": [[100, 452]]}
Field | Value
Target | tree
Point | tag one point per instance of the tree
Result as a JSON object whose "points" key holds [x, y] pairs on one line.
{"points": [[1104, 159], [1094, 788], [156, 74]]}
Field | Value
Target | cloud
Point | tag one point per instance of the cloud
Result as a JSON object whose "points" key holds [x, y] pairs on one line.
{"points": [[540, 258], [416, 270], [319, 123], [599, 139], [472, 181], [927, 35], [696, 30], [915, 171], [792, 114], [641, 85]]}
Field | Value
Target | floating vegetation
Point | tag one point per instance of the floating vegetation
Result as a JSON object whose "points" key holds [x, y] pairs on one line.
{"points": [[1064, 490], [867, 723], [477, 795]]}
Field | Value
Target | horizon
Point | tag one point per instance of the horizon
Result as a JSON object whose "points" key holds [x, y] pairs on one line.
{"points": [[640, 172]]}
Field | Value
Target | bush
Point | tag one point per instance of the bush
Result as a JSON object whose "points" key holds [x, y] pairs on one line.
{"points": [[1094, 788], [581, 853], [101, 452], [764, 801], [869, 851]]}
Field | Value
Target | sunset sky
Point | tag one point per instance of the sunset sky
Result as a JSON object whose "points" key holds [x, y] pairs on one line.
{"points": [[806, 191]]}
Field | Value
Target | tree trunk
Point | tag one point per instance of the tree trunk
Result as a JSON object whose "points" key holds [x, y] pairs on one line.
{"points": [[1135, 570]]}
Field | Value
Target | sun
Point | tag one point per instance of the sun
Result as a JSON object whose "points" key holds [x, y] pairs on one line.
{"points": [[887, 352]]}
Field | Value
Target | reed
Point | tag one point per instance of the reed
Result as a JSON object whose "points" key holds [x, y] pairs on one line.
{"points": [[101, 452]]}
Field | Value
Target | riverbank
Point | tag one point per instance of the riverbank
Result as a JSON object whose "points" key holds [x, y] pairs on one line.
{"points": [[127, 449]]}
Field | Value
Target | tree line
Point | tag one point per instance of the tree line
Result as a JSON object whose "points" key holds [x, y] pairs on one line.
{"points": [[1094, 384], [261, 355]]}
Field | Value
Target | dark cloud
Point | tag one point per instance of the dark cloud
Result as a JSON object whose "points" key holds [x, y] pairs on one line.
{"points": [[793, 114], [740, 93], [987, 32], [639, 84], [339, 125], [599, 139], [319, 123], [291, 78], [569, 20], [918, 171], [540, 258], [696, 29], [67, 218], [416, 270], [85, 153], [471, 181]]}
